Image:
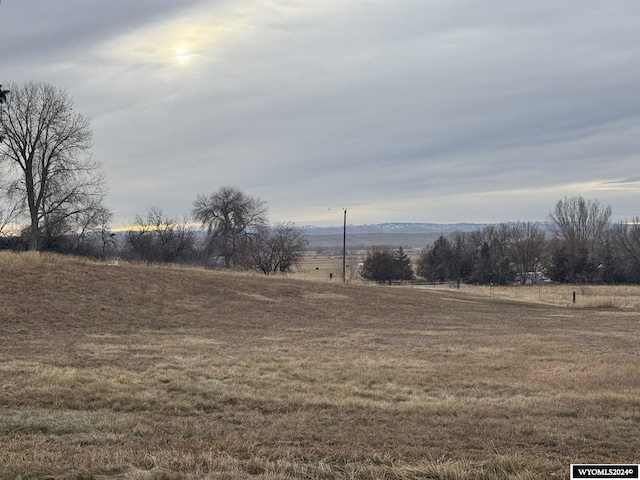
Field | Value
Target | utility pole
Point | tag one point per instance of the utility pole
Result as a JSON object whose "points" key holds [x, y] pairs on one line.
{"points": [[344, 248]]}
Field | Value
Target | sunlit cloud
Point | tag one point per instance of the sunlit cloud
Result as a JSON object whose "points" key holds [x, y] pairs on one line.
{"points": [[626, 183], [183, 54], [182, 42]]}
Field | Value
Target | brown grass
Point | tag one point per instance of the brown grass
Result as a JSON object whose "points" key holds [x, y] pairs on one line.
{"points": [[149, 373], [587, 296]]}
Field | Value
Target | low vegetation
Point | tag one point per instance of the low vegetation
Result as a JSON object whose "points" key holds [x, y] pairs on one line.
{"points": [[160, 372]]}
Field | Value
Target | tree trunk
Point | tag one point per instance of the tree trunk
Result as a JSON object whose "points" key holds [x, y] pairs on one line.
{"points": [[34, 230], [34, 235]]}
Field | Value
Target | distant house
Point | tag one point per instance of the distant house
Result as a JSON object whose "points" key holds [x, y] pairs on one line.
{"points": [[533, 278]]}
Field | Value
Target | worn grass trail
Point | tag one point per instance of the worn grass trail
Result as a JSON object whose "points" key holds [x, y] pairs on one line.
{"points": [[147, 372]]}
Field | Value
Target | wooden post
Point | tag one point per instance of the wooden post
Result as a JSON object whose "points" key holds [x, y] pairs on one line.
{"points": [[344, 248]]}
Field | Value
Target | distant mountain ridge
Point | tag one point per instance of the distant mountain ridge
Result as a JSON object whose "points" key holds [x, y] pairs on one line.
{"points": [[431, 228]]}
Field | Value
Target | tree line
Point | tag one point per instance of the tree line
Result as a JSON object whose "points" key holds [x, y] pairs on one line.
{"points": [[234, 233], [577, 244], [54, 192]]}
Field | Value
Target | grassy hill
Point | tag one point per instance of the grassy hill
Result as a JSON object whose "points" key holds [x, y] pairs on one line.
{"points": [[155, 372]]}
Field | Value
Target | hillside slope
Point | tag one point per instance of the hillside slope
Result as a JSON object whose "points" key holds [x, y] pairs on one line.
{"points": [[50, 292], [156, 372]]}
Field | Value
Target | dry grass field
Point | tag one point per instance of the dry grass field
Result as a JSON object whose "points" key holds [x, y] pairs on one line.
{"points": [[149, 373], [318, 268], [586, 296]]}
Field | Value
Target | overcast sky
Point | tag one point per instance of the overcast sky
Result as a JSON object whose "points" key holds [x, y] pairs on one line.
{"points": [[398, 110]]}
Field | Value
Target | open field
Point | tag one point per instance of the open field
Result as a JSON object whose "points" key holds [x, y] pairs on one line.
{"points": [[317, 267], [625, 297], [148, 373], [357, 241]]}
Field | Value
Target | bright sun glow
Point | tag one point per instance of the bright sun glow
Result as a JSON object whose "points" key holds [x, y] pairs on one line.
{"points": [[177, 44], [183, 55]]}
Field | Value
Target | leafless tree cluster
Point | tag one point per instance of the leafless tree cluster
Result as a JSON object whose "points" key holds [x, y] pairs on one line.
{"points": [[497, 254], [279, 249], [578, 244], [579, 228], [156, 237], [626, 235], [236, 235]]}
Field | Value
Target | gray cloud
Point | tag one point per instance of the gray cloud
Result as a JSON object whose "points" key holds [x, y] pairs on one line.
{"points": [[407, 111]]}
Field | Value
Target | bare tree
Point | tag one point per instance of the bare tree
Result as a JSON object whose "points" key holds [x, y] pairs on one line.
{"points": [[627, 237], [279, 249], [3, 99], [578, 224], [490, 260], [46, 157], [579, 221], [89, 236], [105, 237], [232, 219], [9, 213], [526, 248], [157, 237]]}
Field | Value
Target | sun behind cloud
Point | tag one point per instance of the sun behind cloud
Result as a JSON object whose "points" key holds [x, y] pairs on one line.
{"points": [[183, 55], [185, 42]]}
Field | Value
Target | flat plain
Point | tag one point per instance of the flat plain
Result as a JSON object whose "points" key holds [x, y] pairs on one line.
{"points": [[156, 372]]}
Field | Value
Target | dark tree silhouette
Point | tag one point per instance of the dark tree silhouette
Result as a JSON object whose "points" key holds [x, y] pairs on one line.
{"points": [[232, 219]]}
